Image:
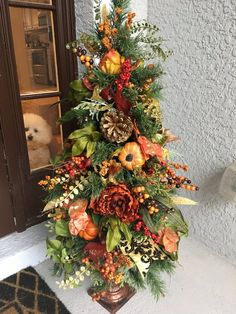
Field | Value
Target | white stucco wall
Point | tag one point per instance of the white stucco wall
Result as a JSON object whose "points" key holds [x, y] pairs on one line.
{"points": [[200, 101], [200, 105]]}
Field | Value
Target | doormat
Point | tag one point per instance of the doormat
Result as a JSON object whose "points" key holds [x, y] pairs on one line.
{"points": [[27, 293]]}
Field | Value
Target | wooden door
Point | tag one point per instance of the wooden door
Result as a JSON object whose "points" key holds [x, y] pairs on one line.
{"points": [[38, 69], [7, 223]]}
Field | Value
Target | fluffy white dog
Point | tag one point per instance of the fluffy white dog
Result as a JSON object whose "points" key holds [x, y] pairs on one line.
{"points": [[38, 136]]}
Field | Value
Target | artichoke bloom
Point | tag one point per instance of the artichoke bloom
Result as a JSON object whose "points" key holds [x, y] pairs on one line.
{"points": [[111, 62]]}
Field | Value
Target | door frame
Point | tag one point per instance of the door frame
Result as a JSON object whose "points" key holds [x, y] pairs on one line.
{"points": [[10, 105]]}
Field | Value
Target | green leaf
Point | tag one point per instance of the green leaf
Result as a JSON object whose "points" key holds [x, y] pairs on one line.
{"points": [[79, 146], [124, 228], [113, 238], [96, 136], [69, 243], [68, 268], [54, 244], [77, 85], [96, 219], [77, 134], [62, 229], [148, 220], [91, 147]]}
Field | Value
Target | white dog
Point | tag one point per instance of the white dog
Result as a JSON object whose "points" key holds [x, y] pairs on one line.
{"points": [[38, 136]]}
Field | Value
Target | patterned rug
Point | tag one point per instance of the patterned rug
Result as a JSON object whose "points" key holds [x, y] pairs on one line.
{"points": [[27, 293]]}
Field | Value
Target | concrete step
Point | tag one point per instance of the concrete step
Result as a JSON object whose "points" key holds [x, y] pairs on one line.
{"points": [[203, 284]]}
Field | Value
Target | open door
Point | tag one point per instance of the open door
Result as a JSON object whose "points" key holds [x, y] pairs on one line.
{"points": [[38, 69]]}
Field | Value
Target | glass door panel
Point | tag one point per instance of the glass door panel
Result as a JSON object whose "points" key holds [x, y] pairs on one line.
{"points": [[43, 135], [34, 45]]}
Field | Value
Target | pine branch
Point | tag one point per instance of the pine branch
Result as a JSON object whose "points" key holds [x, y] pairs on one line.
{"points": [[155, 284], [134, 279], [146, 125], [103, 152]]}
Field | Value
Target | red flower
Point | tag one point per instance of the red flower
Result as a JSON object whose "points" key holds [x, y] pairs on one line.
{"points": [[117, 200]]}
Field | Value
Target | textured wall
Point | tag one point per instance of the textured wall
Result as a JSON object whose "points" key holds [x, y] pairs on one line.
{"points": [[200, 105]]}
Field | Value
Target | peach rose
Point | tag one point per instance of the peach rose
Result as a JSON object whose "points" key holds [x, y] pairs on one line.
{"points": [[169, 240], [78, 217]]}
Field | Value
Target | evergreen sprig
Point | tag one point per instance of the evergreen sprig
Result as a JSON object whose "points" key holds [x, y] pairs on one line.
{"points": [[155, 283], [103, 152], [146, 125]]}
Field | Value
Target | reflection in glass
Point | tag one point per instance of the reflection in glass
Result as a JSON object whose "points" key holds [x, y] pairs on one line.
{"points": [[43, 135], [33, 38]]}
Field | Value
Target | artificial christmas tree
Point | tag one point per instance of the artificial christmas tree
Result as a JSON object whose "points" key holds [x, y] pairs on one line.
{"points": [[112, 195]]}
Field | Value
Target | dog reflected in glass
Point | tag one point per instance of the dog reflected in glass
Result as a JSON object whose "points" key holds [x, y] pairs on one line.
{"points": [[38, 135]]}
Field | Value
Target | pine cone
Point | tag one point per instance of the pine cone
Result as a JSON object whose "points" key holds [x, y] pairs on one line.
{"points": [[116, 126]]}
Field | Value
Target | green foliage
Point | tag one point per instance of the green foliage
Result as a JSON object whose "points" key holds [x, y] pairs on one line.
{"points": [[94, 188], [147, 126], [150, 42], [155, 283], [103, 152], [97, 10], [134, 278], [85, 140], [78, 91], [127, 176], [90, 42], [148, 220], [127, 45], [101, 79], [61, 228], [74, 113], [115, 230], [144, 73], [165, 265], [94, 107]]}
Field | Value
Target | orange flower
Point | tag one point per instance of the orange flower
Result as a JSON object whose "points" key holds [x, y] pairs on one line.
{"points": [[117, 200], [111, 62], [169, 240], [78, 224], [78, 217]]}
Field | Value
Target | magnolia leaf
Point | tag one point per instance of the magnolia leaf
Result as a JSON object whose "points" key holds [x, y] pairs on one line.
{"points": [[177, 200], [79, 146], [62, 229], [91, 147], [124, 228], [148, 220], [176, 222], [113, 238]]}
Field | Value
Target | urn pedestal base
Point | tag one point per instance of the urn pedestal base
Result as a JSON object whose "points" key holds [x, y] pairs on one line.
{"points": [[115, 298]]}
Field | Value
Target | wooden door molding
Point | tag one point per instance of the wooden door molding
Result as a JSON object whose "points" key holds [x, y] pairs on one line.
{"points": [[23, 184], [9, 104]]}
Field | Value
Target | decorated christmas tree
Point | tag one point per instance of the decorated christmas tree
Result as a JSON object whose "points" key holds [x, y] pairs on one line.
{"points": [[112, 197]]}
